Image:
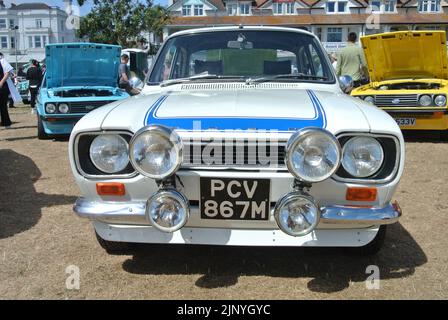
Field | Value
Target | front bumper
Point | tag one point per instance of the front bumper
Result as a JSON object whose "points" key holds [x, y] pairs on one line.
{"points": [[134, 213]]}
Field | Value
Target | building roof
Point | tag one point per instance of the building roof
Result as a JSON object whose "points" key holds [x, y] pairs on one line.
{"points": [[30, 6]]}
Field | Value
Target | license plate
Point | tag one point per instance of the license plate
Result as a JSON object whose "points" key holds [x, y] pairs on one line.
{"points": [[235, 199], [405, 121]]}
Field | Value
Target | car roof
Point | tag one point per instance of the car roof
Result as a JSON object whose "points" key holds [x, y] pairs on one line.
{"points": [[241, 27]]}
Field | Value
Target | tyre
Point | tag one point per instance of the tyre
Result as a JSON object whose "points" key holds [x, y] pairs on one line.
{"points": [[374, 246], [113, 247], [41, 135]]}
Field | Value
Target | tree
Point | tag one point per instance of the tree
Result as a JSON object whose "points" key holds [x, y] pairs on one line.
{"points": [[121, 21]]}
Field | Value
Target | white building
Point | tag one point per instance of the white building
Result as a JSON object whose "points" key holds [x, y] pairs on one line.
{"points": [[25, 29]]}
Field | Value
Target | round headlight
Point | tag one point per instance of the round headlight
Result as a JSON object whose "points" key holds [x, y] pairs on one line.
{"points": [[156, 151], [312, 155], [362, 156], [296, 214], [369, 99], [109, 153], [440, 100], [63, 108], [425, 100], [167, 210], [50, 108]]}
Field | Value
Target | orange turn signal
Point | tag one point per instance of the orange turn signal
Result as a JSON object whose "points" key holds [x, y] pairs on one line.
{"points": [[361, 194], [110, 189], [438, 114]]}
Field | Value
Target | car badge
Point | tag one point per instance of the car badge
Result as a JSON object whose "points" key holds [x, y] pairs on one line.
{"points": [[90, 107], [396, 101]]}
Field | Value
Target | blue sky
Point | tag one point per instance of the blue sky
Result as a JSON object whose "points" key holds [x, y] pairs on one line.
{"points": [[60, 3]]}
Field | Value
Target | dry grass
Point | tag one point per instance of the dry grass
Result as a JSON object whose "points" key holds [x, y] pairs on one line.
{"points": [[40, 237]]}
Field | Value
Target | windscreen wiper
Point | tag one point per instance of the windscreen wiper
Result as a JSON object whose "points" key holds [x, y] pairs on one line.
{"points": [[197, 77], [285, 76]]}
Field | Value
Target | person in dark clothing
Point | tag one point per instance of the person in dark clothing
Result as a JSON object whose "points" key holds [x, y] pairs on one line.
{"points": [[125, 75], [34, 76], [4, 94]]}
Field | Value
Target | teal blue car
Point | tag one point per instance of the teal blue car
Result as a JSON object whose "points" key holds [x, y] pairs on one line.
{"points": [[79, 78]]}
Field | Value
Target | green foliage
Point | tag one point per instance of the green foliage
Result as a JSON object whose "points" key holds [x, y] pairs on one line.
{"points": [[121, 21]]}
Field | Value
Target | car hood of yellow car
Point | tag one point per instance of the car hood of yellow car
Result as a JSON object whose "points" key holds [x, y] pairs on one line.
{"points": [[406, 54]]}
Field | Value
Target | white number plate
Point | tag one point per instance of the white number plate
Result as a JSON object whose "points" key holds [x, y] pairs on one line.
{"points": [[409, 122]]}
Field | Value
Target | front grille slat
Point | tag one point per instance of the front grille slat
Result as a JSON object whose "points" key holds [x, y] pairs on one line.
{"points": [[84, 107], [407, 100]]}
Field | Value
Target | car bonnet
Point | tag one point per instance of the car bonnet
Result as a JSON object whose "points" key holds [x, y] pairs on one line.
{"points": [[82, 64]]}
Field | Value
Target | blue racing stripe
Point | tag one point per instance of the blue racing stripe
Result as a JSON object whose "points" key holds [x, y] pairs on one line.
{"points": [[237, 123]]}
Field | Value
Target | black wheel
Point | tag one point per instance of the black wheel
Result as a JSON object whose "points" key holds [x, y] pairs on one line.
{"points": [[41, 135], [113, 247], [26, 101], [374, 246]]}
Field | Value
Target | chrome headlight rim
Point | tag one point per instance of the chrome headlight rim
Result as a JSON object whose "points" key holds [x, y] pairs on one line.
{"points": [[296, 138], [289, 198], [47, 108], [106, 171], [425, 105], [440, 96], [370, 174], [168, 133], [61, 105], [168, 193], [371, 102]]}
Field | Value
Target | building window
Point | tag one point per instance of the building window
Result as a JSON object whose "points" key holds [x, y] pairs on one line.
{"points": [[2, 23], [334, 35], [37, 42], [12, 24], [319, 33], [30, 42], [4, 42], [38, 23], [389, 5], [289, 8], [186, 10], [13, 42], [375, 6], [336, 6], [278, 8], [244, 8], [231, 9], [44, 40], [198, 10], [429, 5]]}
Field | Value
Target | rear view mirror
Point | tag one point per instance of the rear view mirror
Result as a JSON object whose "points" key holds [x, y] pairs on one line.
{"points": [[239, 45]]}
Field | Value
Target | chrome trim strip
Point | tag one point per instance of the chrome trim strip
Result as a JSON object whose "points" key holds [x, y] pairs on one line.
{"points": [[372, 181], [134, 213], [105, 176]]}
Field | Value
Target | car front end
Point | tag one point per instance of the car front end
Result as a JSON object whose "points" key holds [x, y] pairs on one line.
{"points": [[240, 161], [79, 78], [411, 85]]}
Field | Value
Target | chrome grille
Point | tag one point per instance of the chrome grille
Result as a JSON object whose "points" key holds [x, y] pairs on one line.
{"points": [[403, 100], [234, 153], [83, 107]]}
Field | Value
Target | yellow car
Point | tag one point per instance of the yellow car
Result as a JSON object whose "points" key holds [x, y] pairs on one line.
{"points": [[409, 77]]}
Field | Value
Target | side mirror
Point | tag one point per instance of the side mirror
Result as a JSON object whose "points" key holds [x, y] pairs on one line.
{"points": [[346, 83], [136, 83]]}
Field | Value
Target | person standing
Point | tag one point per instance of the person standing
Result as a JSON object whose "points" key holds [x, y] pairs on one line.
{"points": [[351, 62], [6, 88], [34, 76], [125, 75]]}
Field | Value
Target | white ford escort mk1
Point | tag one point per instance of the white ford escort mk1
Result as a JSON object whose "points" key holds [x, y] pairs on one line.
{"points": [[242, 136]]}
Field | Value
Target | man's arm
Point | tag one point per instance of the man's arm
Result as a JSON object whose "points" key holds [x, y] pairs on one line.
{"points": [[123, 75], [338, 64]]}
